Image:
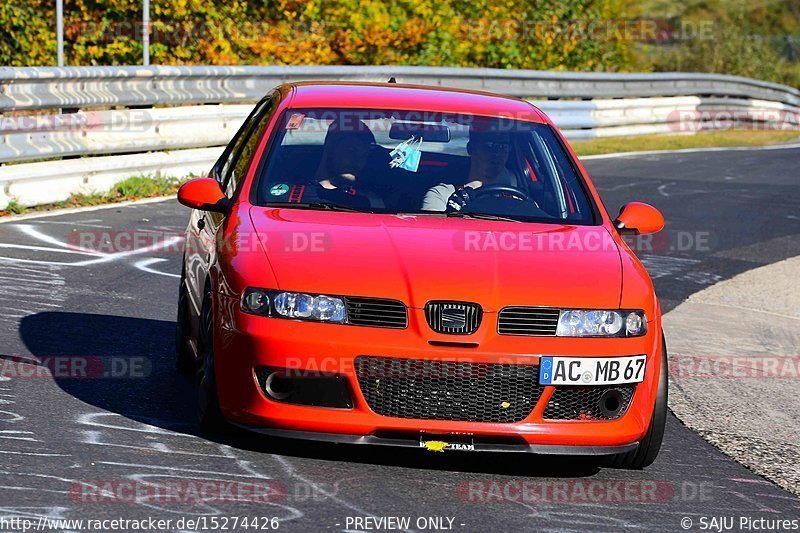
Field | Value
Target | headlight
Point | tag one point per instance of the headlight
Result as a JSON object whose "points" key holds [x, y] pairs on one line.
{"points": [[601, 323], [255, 301], [297, 305]]}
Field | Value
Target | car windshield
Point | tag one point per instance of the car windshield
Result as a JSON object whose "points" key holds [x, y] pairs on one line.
{"points": [[411, 162]]}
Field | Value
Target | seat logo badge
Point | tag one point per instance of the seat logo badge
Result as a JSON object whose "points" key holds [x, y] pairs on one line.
{"points": [[454, 318], [505, 405]]}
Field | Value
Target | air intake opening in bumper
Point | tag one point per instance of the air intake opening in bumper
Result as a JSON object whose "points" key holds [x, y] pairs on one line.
{"points": [[303, 387], [594, 402]]}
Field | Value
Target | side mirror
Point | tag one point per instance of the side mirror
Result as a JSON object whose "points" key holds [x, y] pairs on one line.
{"points": [[638, 218], [204, 194]]}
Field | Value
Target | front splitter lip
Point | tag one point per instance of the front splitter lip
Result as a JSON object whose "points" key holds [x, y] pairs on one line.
{"points": [[541, 449]]}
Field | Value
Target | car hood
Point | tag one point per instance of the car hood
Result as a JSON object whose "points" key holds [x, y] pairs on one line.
{"points": [[429, 257]]}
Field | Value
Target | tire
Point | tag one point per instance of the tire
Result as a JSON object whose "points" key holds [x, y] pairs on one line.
{"points": [[184, 360], [209, 414], [647, 451]]}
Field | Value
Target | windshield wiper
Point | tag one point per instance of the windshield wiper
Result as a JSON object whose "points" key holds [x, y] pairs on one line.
{"points": [[322, 206], [480, 216]]}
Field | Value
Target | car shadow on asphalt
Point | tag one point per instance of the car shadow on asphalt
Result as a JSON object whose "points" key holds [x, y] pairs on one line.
{"points": [[126, 366]]}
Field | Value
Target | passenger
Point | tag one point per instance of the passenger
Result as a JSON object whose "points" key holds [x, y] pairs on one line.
{"points": [[344, 158]]}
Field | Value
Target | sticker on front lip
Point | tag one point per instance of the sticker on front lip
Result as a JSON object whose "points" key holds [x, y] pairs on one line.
{"points": [[436, 445], [591, 370]]}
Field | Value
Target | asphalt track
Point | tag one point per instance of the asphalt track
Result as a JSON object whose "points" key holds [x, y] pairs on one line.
{"points": [[739, 207]]}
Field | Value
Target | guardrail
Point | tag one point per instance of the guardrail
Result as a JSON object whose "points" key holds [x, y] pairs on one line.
{"points": [[118, 131], [34, 137], [54, 112], [85, 87]]}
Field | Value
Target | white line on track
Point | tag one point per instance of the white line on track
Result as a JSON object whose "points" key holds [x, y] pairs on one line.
{"points": [[25, 271], [33, 231], [36, 489], [25, 312], [34, 454], [91, 439], [33, 280], [77, 223], [45, 249], [37, 302], [97, 257], [59, 212], [188, 470], [144, 265]]}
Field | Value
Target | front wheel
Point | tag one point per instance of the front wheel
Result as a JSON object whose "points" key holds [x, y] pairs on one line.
{"points": [[209, 414], [648, 448], [184, 361]]}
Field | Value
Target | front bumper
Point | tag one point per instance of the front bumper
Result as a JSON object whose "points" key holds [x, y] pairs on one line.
{"points": [[244, 342]]}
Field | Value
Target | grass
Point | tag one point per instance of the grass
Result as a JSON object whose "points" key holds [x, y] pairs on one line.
{"points": [[144, 187], [133, 188], [728, 138]]}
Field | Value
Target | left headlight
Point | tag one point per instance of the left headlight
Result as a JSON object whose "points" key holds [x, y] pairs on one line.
{"points": [[298, 305], [601, 323]]}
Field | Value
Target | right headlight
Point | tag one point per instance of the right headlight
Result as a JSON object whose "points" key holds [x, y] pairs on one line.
{"points": [[601, 323]]}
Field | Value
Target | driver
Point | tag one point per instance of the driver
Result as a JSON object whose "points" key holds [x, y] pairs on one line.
{"points": [[488, 152]]}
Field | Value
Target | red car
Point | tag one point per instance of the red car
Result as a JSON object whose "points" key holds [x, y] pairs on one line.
{"points": [[417, 266]]}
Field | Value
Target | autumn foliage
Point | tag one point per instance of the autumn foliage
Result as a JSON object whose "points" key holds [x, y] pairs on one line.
{"points": [[477, 33], [757, 39]]}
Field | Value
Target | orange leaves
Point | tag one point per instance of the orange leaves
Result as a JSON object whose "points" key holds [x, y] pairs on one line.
{"points": [[482, 33]]}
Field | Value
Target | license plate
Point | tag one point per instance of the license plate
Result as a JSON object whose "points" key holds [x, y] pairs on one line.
{"points": [[591, 370]]}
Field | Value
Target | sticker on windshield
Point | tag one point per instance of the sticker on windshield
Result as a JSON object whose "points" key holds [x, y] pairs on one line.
{"points": [[295, 121], [279, 189], [407, 155]]}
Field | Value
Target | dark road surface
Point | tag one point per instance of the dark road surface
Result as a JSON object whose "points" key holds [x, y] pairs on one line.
{"points": [[727, 212]]}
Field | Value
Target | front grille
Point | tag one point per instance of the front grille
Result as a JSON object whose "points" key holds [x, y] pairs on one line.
{"points": [[527, 321], [583, 403], [448, 390], [376, 312], [453, 318]]}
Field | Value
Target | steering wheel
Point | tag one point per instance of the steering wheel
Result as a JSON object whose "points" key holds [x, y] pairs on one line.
{"points": [[489, 190]]}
